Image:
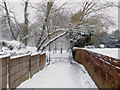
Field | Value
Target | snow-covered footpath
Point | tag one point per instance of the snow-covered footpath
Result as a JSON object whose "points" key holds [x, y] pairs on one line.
{"points": [[60, 75]]}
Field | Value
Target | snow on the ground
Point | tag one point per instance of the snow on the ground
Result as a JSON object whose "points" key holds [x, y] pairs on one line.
{"points": [[111, 52], [61, 75], [58, 54]]}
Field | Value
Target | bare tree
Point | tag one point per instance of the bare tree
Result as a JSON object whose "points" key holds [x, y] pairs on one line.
{"points": [[8, 19], [91, 14], [25, 36], [45, 24]]}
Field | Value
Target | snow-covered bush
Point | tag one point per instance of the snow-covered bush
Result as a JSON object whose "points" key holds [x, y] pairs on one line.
{"points": [[109, 40], [15, 48], [102, 46], [80, 37]]}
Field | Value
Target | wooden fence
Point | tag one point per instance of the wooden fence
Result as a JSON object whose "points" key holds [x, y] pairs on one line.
{"points": [[3, 72], [34, 64], [42, 61], [104, 70], [19, 69]]}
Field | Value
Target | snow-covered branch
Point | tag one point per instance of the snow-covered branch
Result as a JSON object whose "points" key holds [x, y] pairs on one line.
{"points": [[49, 6], [58, 30], [30, 4], [52, 40]]}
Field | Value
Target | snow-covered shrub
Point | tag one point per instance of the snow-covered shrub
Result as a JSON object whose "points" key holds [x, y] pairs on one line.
{"points": [[15, 48], [80, 37], [109, 40], [102, 46]]}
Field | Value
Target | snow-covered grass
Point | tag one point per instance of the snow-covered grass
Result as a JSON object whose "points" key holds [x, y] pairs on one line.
{"points": [[111, 52], [60, 75]]}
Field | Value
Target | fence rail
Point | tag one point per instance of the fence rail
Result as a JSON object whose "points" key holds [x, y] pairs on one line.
{"points": [[104, 70], [17, 70]]}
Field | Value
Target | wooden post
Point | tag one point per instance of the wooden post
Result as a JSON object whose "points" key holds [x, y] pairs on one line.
{"points": [[0, 34], [3, 71]]}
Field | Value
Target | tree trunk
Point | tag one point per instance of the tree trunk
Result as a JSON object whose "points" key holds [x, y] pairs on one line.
{"points": [[49, 6], [9, 21], [26, 23], [0, 34]]}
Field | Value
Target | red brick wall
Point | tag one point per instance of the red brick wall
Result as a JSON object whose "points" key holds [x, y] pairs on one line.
{"points": [[104, 70]]}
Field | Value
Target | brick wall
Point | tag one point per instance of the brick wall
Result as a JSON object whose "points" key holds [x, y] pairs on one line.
{"points": [[104, 70]]}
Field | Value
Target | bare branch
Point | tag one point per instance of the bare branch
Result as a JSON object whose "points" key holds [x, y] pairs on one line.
{"points": [[48, 37], [49, 6], [34, 7], [2, 6], [61, 6], [54, 39], [9, 21]]}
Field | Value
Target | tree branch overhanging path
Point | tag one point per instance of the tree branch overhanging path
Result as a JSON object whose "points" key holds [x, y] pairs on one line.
{"points": [[45, 26]]}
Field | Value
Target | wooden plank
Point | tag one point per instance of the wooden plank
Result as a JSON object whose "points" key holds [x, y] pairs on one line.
{"points": [[42, 60], [17, 73], [3, 72], [34, 69], [20, 80], [14, 69], [1, 83], [14, 62]]}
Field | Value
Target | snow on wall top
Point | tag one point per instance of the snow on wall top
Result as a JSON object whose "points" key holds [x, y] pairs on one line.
{"points": [[4, 56], [13, 57], [111, 52]]}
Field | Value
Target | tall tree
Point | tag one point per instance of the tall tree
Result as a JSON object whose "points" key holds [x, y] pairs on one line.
{"points": [[45, 23], [9, 20], [25, 37]]}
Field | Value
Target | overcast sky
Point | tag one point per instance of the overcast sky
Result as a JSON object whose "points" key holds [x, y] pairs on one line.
{"points": [[74, 5]]}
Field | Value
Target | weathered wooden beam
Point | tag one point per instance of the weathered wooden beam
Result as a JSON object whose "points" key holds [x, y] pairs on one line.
{"points": [[3, 71], [0, 34]]}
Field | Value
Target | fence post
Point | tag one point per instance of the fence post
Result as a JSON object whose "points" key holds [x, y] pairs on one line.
{"points": [[0, 34], [42, 60], [3, 71]]}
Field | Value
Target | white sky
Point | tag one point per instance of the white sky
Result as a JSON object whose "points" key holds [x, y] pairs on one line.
{"points": [[18, 8], [59, 0]]}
